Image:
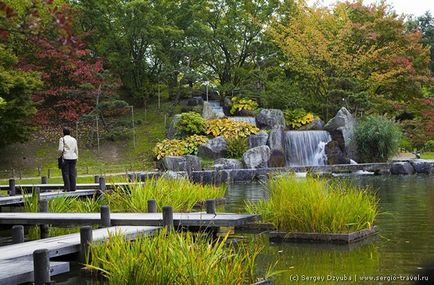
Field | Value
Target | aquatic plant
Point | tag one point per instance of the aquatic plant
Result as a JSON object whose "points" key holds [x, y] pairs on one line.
{"points": [[181, 194], [174, 258], [315, 205]]}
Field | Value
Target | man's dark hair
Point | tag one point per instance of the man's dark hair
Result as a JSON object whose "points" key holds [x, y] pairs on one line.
{"points": [[66, 131]]}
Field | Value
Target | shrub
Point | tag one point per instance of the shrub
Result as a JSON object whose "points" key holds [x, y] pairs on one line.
{"points": [[236, 147], [377, 138], [177, 147], [314, 205], [297, 118], [230, 129], [429, 146], [242, 104], [174, 258], [191, 123]]}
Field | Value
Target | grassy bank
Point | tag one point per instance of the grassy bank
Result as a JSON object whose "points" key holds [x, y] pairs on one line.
{"points": [[314, 205], [117, 154]]}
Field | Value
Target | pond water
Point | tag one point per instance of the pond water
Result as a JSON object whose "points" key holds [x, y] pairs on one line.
{"points": [[404, 245]]}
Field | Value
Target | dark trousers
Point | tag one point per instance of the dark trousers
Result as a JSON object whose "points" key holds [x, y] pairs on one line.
{"points": [[69, 174]]}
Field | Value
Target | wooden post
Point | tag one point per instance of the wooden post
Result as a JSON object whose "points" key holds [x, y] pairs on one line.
{"points": [[131, 177], [152, 206], [44, 180], [41, 267], [102, 185], [12, 191], [105, 216], [86, 238], [168, 217], [43, 208], [142, 177], [96, 177], [17, 234], [37, 193], [49, 173], [210, 207]]}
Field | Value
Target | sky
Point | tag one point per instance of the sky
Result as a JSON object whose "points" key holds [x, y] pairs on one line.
{"points": [[415, 7]]}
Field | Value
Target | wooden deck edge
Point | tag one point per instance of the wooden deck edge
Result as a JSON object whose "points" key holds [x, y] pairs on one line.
{"points": [[23, 271], [255, 228], [338, 238]]}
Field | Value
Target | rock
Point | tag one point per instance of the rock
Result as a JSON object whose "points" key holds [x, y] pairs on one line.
{"points": [[276, 142], [335, 155], [421, 166], [341, 129], [401, 167], [173, 175], [213, 148], [228, 163], [257, 157], [268, 118], [212, 110], [227, 105], [258, 139], [316, 125], [171, 131], [195, 101], [193, 163], [172, 163], [180, 163]]}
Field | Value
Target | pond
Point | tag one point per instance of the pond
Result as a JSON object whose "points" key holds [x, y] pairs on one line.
{"points": [[405, 242]]}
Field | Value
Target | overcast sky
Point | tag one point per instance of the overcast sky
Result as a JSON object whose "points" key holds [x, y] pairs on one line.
{"points": [[415, 7]]}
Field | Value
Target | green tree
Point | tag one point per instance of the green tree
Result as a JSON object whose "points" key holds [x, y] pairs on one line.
{"points": [[16, 106]]}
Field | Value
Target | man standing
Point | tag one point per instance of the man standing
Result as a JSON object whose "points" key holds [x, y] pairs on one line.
{"points": [[68, 149]]}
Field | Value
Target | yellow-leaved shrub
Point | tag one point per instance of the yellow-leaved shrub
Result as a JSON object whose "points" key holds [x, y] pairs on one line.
{"points": [[230, 129]]}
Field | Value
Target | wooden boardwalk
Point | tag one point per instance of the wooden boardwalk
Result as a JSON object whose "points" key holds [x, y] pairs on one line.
{"points": [[66, 244], [18, 272], [19, 199], [54, 186], [132, 219], [16, 261]]}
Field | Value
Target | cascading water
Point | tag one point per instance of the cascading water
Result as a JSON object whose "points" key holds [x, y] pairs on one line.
{"points": [[306, 147], [250, 120]]}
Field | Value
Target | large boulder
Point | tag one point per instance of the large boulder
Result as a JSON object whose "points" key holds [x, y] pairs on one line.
{"points": [[258, 139], [228, 163], [401, 167], [257, 157], [212, 110], [341, 128], [268, 118], [335, 155], [213, 148], [171, 131], [180, 163], [276, 142], [421, 166], [195, 101], [316, 125]]}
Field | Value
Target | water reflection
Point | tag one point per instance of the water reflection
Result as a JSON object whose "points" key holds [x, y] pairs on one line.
{"points": [[405, 242]]}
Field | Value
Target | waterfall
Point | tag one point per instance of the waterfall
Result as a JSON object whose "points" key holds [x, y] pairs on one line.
{"points": [[306, 147]]}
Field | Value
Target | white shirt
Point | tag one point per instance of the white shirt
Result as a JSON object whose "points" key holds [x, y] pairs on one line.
{"points": [[69, 149]]}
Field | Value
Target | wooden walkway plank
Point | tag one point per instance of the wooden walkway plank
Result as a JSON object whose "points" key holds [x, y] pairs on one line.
{"points": [[18, 272], [19, 199], [132, 219], [67, 244], [57, 186]]}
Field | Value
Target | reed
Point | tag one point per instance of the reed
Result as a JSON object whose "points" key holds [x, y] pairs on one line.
{"points": [[181, 194], [174, 258], [315, 205]]}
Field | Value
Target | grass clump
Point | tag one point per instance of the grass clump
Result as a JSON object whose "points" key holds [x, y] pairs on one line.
{"points": [[181, 194], [174, 258], [314, 205]]}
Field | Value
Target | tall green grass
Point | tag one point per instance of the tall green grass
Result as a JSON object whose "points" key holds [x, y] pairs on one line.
{"points": [[315, 205], [181, 194], [174, 258]]}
